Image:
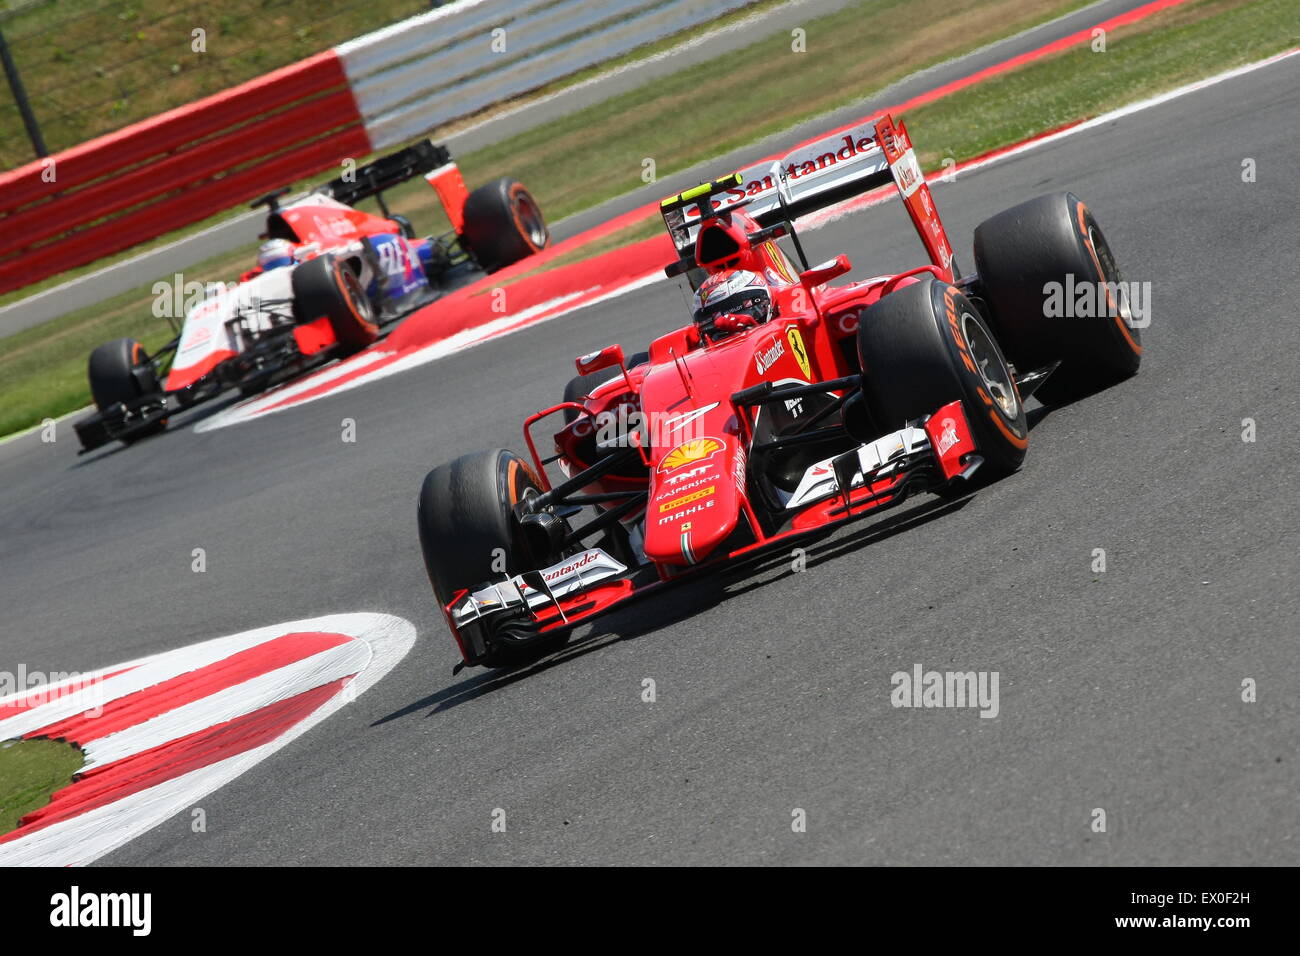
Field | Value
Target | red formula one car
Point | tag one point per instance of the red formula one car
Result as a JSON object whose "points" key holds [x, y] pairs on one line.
{"points": [[786, 406]]}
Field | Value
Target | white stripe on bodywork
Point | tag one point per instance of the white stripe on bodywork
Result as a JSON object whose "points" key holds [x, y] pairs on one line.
{"points": [[574, 573], [819, 480]]}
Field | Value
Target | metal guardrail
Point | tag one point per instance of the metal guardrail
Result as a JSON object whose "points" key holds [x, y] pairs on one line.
{"points": [[457, 60]]}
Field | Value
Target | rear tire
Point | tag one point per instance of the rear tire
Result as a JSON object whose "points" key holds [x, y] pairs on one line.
{"points": [[914, 345], [503, 224], [120, 371], [466, 522], [1018, 253], [325, 287]]}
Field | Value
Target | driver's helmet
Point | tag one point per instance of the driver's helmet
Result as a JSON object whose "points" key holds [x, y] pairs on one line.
{"points": [[275, 254], [734, 292]]}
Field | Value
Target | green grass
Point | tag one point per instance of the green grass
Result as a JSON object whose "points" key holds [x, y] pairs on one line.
{"points": [[636, 232], [43, 369], [1150, 57], [31, 770], [94, 66]]}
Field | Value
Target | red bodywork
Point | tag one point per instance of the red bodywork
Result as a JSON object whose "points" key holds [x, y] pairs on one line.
{"points": [[695, 442], [319, 224]]}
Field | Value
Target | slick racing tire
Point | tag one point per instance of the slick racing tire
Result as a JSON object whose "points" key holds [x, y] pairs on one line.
{"points": [[466, 522], [324, 286], [580, 386], [924, 345], [120, 371], [503, 224], [1042, 249]]}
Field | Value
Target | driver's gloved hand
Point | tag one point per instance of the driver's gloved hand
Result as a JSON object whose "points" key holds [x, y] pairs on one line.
{"points": [[732, 323]]}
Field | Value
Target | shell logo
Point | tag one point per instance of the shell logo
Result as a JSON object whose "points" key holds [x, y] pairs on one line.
{"points": [[697, 449]]}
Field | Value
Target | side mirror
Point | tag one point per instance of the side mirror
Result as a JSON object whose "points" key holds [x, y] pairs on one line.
{"points": [[680, 267], [608, 357], [775, 231], [825, 272]]}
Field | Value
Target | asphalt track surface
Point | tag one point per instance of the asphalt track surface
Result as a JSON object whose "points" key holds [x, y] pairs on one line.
{"points": [[1119, 690]]}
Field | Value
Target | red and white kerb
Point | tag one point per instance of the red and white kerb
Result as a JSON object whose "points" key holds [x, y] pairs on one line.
{"points": [[163, 731]]}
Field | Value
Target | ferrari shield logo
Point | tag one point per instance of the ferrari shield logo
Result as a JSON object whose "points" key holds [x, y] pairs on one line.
{"points": [[800, 353]]}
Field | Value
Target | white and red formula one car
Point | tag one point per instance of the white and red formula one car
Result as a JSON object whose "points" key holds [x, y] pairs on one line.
{"points": [[786, 406], [328, 277]]}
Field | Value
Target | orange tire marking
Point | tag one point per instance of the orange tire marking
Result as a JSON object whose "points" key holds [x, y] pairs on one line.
{"points": [[1011, 436], [1119, 319]]}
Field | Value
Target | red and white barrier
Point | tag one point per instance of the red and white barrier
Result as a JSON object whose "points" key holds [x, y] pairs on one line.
{"points": [[119, 190]]}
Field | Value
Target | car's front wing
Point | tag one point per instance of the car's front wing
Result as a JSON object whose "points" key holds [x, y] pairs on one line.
{"points": [[922, 456]]}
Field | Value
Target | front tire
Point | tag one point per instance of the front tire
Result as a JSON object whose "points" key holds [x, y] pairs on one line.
{"points": [[120, 371], [468, 533], [924, 345], [503, 224], [1019, 254]]}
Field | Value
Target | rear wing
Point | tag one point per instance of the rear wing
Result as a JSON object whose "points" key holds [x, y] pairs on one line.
{"points": [[815, 176], [387, 172], [425, 158]]}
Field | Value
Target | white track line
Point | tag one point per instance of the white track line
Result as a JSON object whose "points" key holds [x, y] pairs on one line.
{"points": [[1137, 107], [13, 436]]}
